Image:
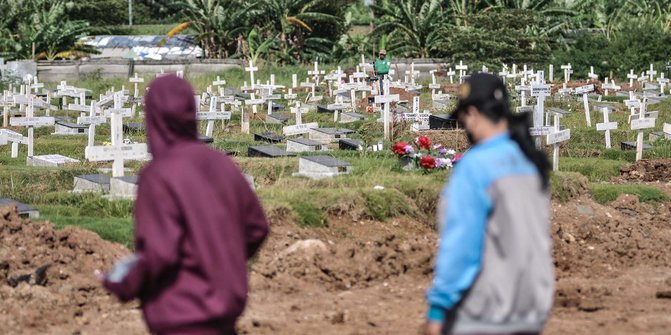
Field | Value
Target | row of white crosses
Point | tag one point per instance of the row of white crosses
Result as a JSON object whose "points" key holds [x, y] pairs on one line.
{"points": [[30, 120]]}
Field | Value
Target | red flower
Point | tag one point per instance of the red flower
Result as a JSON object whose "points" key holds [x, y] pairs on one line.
{"points": [[424, 142], [399, 148], [456, 158], [369, 109], [427, 162]]}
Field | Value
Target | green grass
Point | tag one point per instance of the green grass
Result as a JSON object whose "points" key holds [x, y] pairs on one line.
{"points": [[595, 169], [119, 230], [604, 193], [565, 186]]}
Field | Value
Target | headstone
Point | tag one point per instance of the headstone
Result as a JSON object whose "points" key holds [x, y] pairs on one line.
{"points": [[606, 126], [328, 135], [93, 183], [268, 137], [267, 152], [304, 145], [319, 167], [50, 160], [25, 211]]}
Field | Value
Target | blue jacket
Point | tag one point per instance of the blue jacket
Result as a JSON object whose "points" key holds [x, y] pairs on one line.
{"points": [[494, 270]]}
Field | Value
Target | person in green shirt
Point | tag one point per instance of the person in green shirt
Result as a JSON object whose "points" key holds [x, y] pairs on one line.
{"points": [[381, 67]]}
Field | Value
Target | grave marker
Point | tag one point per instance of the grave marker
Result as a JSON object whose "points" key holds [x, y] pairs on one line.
{"points": [[251, 69], [641, 124], [606, 126], [136, 80], [651, 73], [462, 70], [118, 151], [567, 72], [386, 99], [584, 90], [31, 122], [631, 76], [556, 138]]}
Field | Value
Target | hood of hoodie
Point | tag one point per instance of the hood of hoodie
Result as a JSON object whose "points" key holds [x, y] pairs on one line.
{"points": [[170, 114]]}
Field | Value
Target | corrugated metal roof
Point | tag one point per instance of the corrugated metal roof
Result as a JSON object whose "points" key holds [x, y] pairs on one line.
{"points": [[146, 46]]}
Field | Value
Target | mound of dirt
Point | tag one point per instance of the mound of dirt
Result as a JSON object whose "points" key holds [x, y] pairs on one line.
{"points": [[590, 238], [46, 277], [351, 263], [646, 171]]}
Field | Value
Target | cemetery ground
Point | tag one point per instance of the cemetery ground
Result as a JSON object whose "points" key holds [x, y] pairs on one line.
{"points": [[351, 254]]}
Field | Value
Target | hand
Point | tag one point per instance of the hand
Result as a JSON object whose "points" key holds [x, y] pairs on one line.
{"points": [[433, 328]]}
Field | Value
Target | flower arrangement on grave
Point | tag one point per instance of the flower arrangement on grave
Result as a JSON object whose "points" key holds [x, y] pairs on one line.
{"points": [[423, 155]]}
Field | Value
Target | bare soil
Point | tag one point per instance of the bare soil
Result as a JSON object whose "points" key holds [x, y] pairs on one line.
{"points": [[646, 171], [355, 277]]}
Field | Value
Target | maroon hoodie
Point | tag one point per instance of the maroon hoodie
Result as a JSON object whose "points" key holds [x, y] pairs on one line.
{"points": [[197, 223]]}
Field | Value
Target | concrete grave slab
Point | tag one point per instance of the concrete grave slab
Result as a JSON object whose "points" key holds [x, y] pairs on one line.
{"points": [[305, 145], [50, 160], [277, 118], [268, 137], [328, 135], [25, 211], [124, 187], [69, 128], [632, 146], [267, 151], [94, 183], [350, 144], [320, 167], [351, 117], [323, 109], [654, 136], [442, 121]]}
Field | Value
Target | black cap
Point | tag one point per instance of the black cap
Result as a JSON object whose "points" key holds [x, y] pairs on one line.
{"points": [[479, 89]]}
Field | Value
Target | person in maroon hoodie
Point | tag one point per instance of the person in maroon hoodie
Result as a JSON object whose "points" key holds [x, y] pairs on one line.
{"points": [[197, 223]]}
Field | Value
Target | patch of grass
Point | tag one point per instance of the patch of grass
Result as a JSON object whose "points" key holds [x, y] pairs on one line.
{"points": [[119, 230], [605, 193], [309, 215], [567, 185], [595, 169], [384, 204]]}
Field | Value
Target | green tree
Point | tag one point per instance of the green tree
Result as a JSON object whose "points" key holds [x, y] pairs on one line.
{"points": [[415, 28]]}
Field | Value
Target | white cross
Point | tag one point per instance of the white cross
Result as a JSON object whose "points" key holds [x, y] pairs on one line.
{"points": [[606, 126], [556, 138], [36, 85], [433, 86], [213, 115], [219, 82], [136, 80], [92, 120], [451, 73], [118, 151], [523, 89], [412, 73], [336, 107], [7, 135], [315, 73], [610, 86], [6, 102], [504, 72], [462, 70], [540, 90], [567, 72], [251, 69], [245, 115], [513, 74], [299, 111], [631, 76], [584, 90], [662, 82], [386, 99], [30, 120], [652, 72], [591, 75], [551, 72], [641, 124]]}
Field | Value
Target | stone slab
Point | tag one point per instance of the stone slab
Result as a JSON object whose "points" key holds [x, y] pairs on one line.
{"points": [[349, 144], [268, 137], [50, 160], [277, 118], [124, 187], [267, 151], [25, 211], [351, 117], [320, 167], [632, 146], [305, 145], [654, 136], [95, 183], [442, 121]]}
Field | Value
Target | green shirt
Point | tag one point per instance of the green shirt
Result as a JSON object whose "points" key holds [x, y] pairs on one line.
{"points": [[382, 65]]}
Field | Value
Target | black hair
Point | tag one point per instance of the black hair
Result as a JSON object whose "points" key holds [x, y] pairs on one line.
{"points": [[518, 126]]}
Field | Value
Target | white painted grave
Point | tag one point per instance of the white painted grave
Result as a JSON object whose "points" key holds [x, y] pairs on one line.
{"points": [[386, 99], [556, 138], [606, 126], [641, 124]]}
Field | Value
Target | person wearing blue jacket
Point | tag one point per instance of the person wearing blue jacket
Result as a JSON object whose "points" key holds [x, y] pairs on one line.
{"points": [[494, 272]]}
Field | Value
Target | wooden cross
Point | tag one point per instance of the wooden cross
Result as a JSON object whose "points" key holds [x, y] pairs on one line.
{"points": [[451, 73], [591, 75], [136, 80], [631, 76], [523, 89], [7, 135], [556, 138], [462, 70], [299, 111], [551, 72], [651, 72], [92, 120], [118, 151], [662, 83], [641, 124], [213, 115], [567, 72], [584, 90], [251, 69], [606, 126], [245, 116], [386, 99], [316, 73], [540, 90], [610, 86], [6, 102], [336, 107], [30, 120], [433, 86], [504, 73]]}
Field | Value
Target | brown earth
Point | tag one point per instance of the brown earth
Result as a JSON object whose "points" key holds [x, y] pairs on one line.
{"points": [[356, 276], [646, 171]]}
